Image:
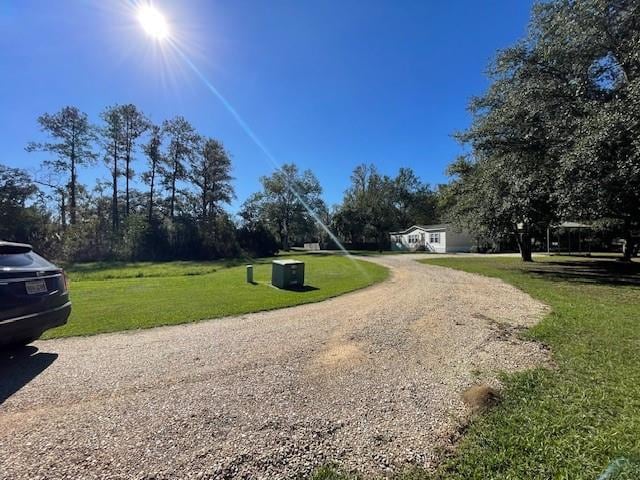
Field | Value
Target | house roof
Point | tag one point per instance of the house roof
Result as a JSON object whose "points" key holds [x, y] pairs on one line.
{"points": [[439, 226]]}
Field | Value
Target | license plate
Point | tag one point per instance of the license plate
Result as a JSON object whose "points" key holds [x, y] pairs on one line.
{"points": [[37, 286]]}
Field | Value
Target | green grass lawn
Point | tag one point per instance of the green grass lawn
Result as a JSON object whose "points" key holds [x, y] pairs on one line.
{"points": [[109, 297], [572, 421]]}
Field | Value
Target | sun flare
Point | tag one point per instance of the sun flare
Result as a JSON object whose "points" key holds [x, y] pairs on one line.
{"points": [[153, 22]]}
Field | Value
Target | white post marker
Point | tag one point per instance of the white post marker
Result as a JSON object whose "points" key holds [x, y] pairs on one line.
{"points": [[249, 273]]}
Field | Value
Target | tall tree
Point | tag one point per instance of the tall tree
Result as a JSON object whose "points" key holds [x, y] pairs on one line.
{"points": [[59, 193], [593, 46], [134, 124], [183, 142], [112, 134], [373, 196], [152, 150], [497, 196], [414, 200], [73, 137], [559, 124], [288, 202], [210, 171]]}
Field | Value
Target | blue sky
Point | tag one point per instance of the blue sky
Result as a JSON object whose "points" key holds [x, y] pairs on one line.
{"points": [[325, 84]]}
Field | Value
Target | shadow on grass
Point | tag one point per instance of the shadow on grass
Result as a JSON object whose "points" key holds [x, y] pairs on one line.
{"points": [[18, 366], [304, 288], [306, 253], [294, 289], [602, 272]]}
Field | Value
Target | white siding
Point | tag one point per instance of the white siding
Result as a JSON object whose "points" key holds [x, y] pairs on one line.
{"points": [[438, 240]]}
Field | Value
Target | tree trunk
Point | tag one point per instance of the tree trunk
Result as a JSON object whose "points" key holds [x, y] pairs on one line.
{"points": [[524, 245], [126, 214], [629, 247], [204, 200], [285, 237], [72, 187], [153, 175], [173, 189], [63, 210], [115, 221]]}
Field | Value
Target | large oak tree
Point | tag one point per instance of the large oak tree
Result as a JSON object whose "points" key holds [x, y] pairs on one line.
{"points": [[555, 136]]}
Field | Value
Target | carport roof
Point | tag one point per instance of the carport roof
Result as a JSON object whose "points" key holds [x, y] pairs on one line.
{"points": [[571, 225]]}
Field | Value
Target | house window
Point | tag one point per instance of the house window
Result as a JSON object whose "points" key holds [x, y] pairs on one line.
{"points": [[434, 237]]}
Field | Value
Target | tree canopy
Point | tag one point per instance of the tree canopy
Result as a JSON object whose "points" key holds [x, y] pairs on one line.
{"points": [[375, 204], [288, 204], [555, 136]]}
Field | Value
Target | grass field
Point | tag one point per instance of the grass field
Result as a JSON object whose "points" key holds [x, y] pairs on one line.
{"points": [[575, 420], [109, 297]]}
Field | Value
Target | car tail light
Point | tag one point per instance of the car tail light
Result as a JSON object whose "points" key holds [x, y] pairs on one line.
{"points": [[65, 281]]}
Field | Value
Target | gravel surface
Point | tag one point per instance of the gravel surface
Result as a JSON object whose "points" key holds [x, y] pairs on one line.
{"points": [[371, 380]]}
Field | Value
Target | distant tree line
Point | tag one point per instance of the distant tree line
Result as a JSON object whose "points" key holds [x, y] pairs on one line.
{"points": [[181, 210], [376, 204], [180, 214], [291, 206]]}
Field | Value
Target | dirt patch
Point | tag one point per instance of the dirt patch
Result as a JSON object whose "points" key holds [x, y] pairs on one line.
{"points": [[481, 397], [341, 354]]}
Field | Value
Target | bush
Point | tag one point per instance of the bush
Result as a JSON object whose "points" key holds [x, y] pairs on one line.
{"points": [[257, 241]]}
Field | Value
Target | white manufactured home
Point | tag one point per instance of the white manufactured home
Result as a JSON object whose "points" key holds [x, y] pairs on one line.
{"points": [[442, 238]]}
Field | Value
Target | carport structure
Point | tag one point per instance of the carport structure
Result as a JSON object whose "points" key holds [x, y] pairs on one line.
{"points": [[567, 228]]}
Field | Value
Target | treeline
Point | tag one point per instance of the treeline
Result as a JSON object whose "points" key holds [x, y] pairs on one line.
{"points": [[290, 206], [181, 210]]}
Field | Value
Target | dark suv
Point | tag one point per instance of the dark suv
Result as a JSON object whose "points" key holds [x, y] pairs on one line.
{"points": [[33, 295]]}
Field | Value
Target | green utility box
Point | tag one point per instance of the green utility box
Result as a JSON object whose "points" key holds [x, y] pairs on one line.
{"points": [[287, 273]]}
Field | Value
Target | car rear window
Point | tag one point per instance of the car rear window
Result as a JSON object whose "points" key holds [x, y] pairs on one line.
{"points": [[23, 260]]}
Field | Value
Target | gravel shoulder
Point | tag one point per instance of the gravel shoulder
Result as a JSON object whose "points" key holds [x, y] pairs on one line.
{"points": [[371, 380]]}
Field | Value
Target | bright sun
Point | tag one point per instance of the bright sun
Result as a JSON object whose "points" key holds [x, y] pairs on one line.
{"points": [[153, 22]]}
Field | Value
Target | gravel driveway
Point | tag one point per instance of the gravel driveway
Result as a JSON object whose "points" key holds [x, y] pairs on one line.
{"points": [[371, 380]]}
